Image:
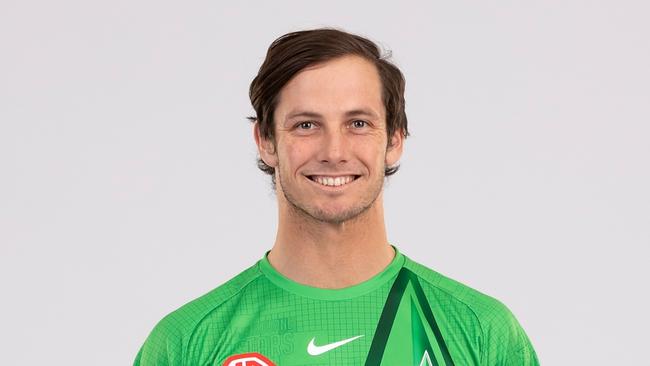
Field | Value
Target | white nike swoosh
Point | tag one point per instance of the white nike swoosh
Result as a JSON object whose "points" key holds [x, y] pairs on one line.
{"points": [[315, 350]]}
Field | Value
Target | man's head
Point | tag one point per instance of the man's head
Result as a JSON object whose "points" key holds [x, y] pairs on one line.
{"points": [[330, 122], [293, 52]]}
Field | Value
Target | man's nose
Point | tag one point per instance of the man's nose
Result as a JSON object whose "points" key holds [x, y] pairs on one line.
{"points": [[334, 147]]}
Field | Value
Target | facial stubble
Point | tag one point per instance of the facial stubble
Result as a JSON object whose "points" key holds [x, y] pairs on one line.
{"points": [[318, 214]]}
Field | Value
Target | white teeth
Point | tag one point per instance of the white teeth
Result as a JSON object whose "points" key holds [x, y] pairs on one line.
{"points": [[333, 182]]}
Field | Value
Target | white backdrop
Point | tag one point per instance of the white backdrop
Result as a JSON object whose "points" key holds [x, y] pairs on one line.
{"points": [[129, 187]]}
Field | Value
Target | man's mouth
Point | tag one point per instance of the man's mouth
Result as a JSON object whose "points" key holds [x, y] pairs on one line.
{"points": [[333, 181]]}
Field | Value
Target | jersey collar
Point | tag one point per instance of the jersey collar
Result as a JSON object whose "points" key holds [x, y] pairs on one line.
{"points": [[359, 289]]}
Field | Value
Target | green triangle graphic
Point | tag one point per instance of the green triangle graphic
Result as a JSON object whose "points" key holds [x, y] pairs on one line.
{"points": [[421, 340], [407, 333]]}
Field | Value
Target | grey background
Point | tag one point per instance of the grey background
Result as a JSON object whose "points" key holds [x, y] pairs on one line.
{"points": [[128, 181]]}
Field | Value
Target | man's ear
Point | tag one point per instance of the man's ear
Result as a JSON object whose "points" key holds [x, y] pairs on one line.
{"points": [[265, 147], [395, 147]]}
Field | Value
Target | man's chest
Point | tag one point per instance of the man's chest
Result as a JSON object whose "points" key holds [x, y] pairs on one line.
{"points": [[399, 328]]}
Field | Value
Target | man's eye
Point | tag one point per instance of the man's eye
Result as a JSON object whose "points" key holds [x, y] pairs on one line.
{"points": [[305, 125], [359, 123]]}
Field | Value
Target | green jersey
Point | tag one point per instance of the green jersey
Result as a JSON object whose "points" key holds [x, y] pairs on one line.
{"points": [[407, 315]]}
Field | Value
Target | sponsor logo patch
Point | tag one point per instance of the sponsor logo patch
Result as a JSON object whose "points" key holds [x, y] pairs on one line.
{"points": [[248, 359]]}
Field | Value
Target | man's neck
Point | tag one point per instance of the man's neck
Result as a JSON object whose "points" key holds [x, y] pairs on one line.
{"points": [[331, 255]]}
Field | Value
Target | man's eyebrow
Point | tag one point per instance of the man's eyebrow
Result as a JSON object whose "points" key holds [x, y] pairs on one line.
{"points": [[361, 112], [308, 114], [350, 113]]}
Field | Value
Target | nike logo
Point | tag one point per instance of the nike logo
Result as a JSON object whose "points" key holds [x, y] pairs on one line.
{"points": [[315, 350]]}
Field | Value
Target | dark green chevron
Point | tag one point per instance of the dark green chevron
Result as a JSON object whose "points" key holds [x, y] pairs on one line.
{"points": [[407, 330]]}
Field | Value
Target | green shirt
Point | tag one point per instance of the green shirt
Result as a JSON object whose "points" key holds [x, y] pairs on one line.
{"points": [[406, 315]]}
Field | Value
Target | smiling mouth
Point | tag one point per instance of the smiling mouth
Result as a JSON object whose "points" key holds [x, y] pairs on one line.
{"points": [[329, 181]]}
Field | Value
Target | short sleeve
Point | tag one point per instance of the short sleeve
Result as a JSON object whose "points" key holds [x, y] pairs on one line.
{"points": [[506, 342], [163, 346], [520, 350]]}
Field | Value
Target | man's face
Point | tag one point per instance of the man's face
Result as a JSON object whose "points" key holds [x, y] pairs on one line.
{"points": [[331, 142]]}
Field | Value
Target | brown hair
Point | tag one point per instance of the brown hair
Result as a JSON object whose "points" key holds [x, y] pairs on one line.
{"points": [[293, 52]]}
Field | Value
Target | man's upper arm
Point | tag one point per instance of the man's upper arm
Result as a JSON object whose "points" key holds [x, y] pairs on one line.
{"points": [[521, 351], [163, 346], [506, 341]]}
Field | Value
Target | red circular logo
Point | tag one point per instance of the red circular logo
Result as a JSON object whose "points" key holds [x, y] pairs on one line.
{"points": [[248, 359]]}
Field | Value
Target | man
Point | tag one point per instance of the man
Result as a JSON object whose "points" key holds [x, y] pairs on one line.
{"points": [[329, 126]]}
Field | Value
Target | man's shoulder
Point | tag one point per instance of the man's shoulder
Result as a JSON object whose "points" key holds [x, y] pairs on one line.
{"points": [[502, 338], [460, 291], [171, 333], [195, 310], [458, 297]]}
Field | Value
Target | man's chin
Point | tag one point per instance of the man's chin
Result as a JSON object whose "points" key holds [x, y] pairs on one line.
{"points": [[337, 216]]}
